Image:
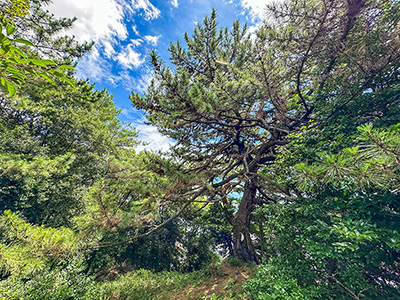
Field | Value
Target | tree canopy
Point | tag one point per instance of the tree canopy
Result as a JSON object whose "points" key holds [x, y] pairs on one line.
{"points": [[286, 154], [231, 101]]}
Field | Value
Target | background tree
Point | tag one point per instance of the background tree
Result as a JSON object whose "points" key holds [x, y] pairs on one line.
{"points": [[230, 102], [211, 106], [330, 240], [10, 9], [15, 64]]}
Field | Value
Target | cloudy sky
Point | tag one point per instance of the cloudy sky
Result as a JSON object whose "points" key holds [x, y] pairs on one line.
{"points": [[124, 31]]}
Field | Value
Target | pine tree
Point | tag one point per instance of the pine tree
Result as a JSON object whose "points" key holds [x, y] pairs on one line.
{"points": [[230, 102]]}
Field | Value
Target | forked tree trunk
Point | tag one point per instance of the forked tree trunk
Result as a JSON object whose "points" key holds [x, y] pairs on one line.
{"points": [[243, 245]]}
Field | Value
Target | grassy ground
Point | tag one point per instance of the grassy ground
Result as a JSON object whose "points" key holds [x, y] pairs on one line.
{"points": [[217, 282]]}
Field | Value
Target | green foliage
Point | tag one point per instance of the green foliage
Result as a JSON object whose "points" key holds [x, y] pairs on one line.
{"points": [[71, 283], [292, 136], [66, 138], [177, 245], [27, 250], [274, 282], [15, 65], [13, 8], [233, 103], [67, 282], [144, 284], [340, 235], [373, 162], [336, 232]]}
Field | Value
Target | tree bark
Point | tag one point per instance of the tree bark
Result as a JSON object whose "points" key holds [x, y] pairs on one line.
{"points": [[243, 245]]}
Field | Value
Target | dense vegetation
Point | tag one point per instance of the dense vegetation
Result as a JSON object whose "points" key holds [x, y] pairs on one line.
{"points": [[286, 155]]}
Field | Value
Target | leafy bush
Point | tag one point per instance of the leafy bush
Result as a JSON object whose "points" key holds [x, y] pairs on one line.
{"points": [[273, 282], [66, 283]]}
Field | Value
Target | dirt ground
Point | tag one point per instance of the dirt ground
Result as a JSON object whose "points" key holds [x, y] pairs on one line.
{"points": [[224, 282]]}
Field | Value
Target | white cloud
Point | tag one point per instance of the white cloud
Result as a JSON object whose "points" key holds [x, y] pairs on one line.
{"points": [[143, 83], [153, 138], [135, 30], [129, 57], [174, 3], [148, 134], [136, 42], [150, 11], [152, 39], [104, 22], [94, 66], [109, 50], [138, 83], [256, 7], [96, 19]]}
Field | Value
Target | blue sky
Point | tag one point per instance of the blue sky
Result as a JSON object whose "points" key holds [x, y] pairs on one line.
{"points": [[124, 31]]}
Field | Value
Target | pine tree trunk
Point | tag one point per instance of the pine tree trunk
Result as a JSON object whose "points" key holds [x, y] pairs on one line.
{"points": [[243, 246]]}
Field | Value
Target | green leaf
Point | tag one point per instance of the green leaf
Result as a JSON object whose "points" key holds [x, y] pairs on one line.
{"points": [[394, 127], [19, 51], [22, 61], [11, 60], [56, 73], [37, 63], [30, 71], [10, 29], [6, 47], [17, 80], [45, 76], [48, 62], [23, 41], [68, 81], [66, 67], [12, 90], [15, 71]]}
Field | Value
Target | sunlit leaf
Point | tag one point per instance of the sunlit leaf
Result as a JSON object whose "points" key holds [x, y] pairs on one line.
{"points": [[23, 41], [48, 62], [10, 29], [11, 88], [66, 67], [68, 81], [47, 77], [37, 63], [19, 51]]}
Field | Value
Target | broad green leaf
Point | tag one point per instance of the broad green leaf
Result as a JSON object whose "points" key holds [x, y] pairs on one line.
{"points": [[48, 62], [13, 70], [68, 81], [19, 51], [11, 88], [6, 48], [16, 79], [23, 41], [47, 77], [56, 73], [11, 60], [66, 67], [22, 61], [30, 71], [37, 63], [10, 29]]}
